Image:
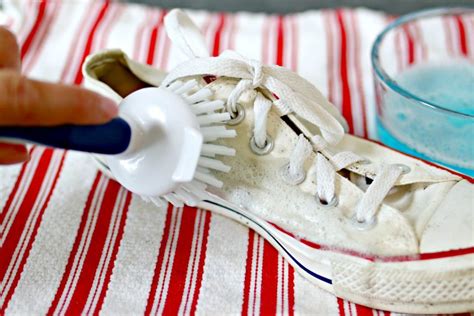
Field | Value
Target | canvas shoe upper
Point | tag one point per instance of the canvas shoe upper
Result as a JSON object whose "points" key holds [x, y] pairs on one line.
{"points": [[364, 221]]}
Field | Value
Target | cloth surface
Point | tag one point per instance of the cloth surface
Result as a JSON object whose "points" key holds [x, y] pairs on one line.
{"points": [[74, 242]]}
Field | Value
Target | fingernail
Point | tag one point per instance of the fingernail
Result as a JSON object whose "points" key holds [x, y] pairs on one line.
{"points": [[12, 154], [109, 107], [21, 152]]}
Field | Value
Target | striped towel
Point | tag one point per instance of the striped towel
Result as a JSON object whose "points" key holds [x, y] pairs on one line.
{"points": [[74, 242]]}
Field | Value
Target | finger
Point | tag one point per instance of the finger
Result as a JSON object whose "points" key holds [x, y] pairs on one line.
{"points": [[9, 50], [30, 102], [13, 153]]}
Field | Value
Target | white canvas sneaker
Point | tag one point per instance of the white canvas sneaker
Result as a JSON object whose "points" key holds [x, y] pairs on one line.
{"points": [[365, 222]]}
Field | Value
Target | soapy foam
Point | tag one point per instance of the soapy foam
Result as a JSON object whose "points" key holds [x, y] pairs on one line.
{"points": [[438, 134], [254, 184]]}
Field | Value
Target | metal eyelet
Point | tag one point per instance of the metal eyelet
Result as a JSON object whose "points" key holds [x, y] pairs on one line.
{"points": [[265, 149], [333, 203], [238, 116], [285, 174], [364, 225], [404, 168]]}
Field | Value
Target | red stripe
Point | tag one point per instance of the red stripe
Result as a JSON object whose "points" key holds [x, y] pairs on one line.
{"points": [[19, 225], [269, 287], [291, 290], [75, 247], [154, 28], [12, 239], [77, 43], [92, 255], [363, 310], [410, 45], [269, 281], [346, 94], [40, 39], [462, 35], [115, 13], [90, 39], [201, 262], [180, 264], [109, 268], [159, 261], [181, 261], [248, 272], [154, 38], [280, 41], [445, 254], [340, 305], [216, 49], [82, 289], [34, 30], [18, 182]]}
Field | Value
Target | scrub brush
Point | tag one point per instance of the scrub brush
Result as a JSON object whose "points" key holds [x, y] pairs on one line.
{"points": [[161, 146]]}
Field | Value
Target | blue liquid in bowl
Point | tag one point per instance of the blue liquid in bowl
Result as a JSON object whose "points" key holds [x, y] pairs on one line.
{"points": [[427, 133]]}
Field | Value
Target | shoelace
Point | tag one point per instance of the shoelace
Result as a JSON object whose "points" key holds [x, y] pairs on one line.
{"points": [[294, 95]]}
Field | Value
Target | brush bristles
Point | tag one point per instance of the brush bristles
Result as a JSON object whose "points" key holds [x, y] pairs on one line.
{"points": [[215, 164], [208, 179], [211, 120], [211, 150], [198, 96], [213, 133], [207, 107]]}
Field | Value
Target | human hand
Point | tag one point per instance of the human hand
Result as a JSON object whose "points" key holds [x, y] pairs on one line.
{"points": [[29, 102]]}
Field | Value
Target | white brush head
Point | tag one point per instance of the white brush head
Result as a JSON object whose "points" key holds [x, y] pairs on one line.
{"points": [[167, 157]]}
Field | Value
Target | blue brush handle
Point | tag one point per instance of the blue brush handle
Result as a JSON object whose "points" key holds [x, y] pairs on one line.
{"points": [[109, 138]]}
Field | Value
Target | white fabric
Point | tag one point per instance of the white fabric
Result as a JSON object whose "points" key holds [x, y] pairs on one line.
{"points": [[294, 94]]}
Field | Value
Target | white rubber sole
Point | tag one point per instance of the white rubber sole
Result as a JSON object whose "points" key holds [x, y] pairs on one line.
{"points": [[442, 285]]}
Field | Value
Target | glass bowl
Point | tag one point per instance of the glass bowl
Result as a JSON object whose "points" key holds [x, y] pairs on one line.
{"points": [[423, 66]]}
